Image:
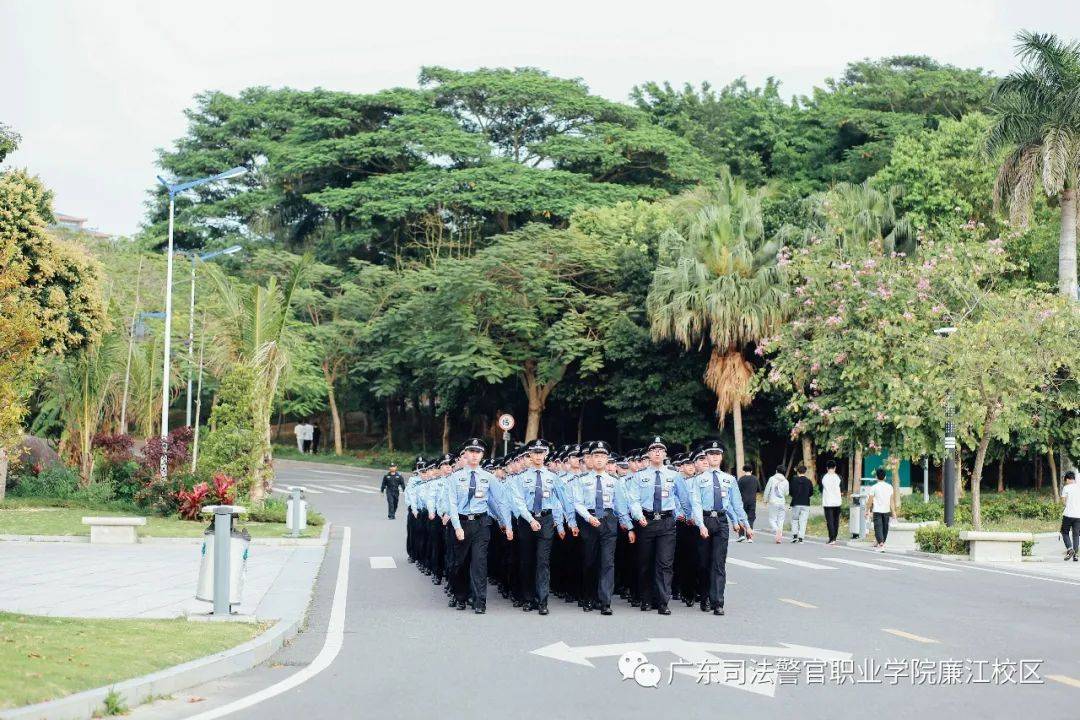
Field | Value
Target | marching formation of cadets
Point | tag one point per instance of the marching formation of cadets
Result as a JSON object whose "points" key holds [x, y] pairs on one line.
{"points": [[578, 523]]}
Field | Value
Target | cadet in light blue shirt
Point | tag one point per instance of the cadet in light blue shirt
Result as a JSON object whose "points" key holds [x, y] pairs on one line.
{"points": [[600, 500], [412, 531], [474, 497], [537, 503], [657, 496], [717, 507]]}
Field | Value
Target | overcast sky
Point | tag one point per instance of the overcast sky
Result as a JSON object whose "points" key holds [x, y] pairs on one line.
{"points": [[95, 87]]}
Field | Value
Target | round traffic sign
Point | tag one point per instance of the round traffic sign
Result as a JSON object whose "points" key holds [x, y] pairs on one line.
{"points": [[506, 422]]}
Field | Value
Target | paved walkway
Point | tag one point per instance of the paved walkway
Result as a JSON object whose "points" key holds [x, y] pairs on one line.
{"points": [[146, 581]]}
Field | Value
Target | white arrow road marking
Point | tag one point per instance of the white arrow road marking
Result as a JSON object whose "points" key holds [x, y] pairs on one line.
{"points": [[1064, 680], [748, 564], [382, 562], [909, 636], [798, 603], [335, 637], [921, 566], [857, 563], [698, 653], [801, 563]]}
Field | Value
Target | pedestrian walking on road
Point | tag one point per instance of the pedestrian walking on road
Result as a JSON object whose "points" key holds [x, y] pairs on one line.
{"points": [[801, 490], [749, 487], [831, 499], [776, 492], [1070, 522], [392, 484], [883, 506]]}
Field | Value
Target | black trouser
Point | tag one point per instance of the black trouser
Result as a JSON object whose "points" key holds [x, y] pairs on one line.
{"points": [[750, 508], [656, 556], [598, 560], [712, 560], [471, 559], [534, 560], [686, 561], [391, 503], [1071, 525], [436, 547], [832, 521], [306, 446], [881, 526], [421, 528], [410, 538]]}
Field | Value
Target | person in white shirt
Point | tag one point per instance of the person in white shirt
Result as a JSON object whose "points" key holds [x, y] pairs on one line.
{"points": [[1070, 523], [831, 498], [883, 506], [298, 430], [776, 492]]}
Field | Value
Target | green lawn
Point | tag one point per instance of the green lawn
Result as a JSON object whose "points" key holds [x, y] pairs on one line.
{"points": [[19, 516], [816, 526], [45, 657]]}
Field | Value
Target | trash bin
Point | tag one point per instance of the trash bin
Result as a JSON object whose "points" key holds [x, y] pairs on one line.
{"points": [[296, 494], [240, 541], [857, 515]]}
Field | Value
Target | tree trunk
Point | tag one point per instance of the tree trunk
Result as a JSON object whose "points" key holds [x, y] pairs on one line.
{"points": [[808, 457], [856, 476], [3, 472], [389, 426], [894, 471], [959, 472], [1067, 244], [1053, 472], [537, 395], [580, 423], [1038, 472], [335, 416], [976, 470], [736, 427], [1001, 475], [446, 433]]}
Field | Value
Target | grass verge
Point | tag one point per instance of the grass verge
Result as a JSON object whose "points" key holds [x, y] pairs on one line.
{"points": [[49, 657]]}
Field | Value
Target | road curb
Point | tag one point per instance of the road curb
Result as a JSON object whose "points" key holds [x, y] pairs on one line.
{"points": [[146, 540], [136, 691]]}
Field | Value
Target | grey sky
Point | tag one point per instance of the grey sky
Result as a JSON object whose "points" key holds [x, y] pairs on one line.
{"points": [[95, 87]]}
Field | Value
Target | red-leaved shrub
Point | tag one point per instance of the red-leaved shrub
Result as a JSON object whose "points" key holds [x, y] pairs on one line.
{"points": [[224, 489], [191, 501]]}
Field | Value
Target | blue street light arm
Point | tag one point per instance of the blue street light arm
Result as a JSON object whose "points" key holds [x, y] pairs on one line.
{"points": [[180, 187], [227, 251]]}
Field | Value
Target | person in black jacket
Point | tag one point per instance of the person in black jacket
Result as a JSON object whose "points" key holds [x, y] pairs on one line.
{"points": [[392, 484], [801, 490], [749, 487]]}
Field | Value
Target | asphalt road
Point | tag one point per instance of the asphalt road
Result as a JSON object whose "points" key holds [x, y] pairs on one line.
{"points": [[877, 637]]}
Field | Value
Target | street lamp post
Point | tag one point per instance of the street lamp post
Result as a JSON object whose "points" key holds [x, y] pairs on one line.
{"points": [[196, 257], [949, 489], [173, 190]]}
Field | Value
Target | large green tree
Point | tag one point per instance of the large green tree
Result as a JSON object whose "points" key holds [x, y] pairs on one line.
{"points": [[1036, 113]]}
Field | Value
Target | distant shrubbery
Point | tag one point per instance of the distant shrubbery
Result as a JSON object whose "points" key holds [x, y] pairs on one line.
{"points": [[995, 507]]}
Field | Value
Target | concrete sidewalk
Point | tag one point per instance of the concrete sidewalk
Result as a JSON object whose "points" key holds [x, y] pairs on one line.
{"points": [[146, 581]]}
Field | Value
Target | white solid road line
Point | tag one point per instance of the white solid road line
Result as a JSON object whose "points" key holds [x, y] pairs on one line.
{"points": [[353, 488], [382, 562], [858, 563], [335, 637], [909, 636], [333, 489], [748, 564], [332, 472], [798, 603], [800, 563], [921, 566]]}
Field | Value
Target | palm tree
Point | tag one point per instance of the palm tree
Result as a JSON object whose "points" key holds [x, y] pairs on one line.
{"points": [[1037, 126], [861, 216], [253, 328], [719, 283]]}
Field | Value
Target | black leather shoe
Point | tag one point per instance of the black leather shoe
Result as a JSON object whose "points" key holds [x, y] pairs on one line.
{"points": [[718, 611], [480, 610], [587, 607], [543, 610], [689, 603], [606, 610], [704, 607], [644, 607], [452, 603], [635, 603], [437, 581], [665, 610], [528, 607], [517, 603], [461, 606]]}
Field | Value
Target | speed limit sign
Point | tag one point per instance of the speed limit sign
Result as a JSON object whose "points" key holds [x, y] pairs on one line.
{"points": [[506, 422]]}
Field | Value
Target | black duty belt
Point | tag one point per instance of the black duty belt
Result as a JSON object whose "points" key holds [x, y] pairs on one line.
{"points": [[469, 518], [542, 513], [605, 511], [658, 515], [715, 514]]}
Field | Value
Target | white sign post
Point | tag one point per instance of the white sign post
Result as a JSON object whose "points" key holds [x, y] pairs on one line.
{"points": [[506, 422]]}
